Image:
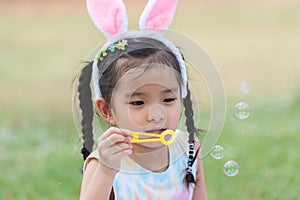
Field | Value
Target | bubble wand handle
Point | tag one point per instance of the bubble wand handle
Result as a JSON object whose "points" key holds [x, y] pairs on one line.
{"points": [[153, 137]]}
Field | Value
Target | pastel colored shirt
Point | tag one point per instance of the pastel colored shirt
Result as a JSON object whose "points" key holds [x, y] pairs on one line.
{"points": [[133, 182]]}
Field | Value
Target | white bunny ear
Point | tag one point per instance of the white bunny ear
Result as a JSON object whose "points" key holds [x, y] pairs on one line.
{"points": [[109, 16], [158, 15]]}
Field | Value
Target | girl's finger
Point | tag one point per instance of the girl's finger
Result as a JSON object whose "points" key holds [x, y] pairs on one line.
{"points": [[114, 130], [117, 148], [112, 156], [113, 140], [121, 154]]}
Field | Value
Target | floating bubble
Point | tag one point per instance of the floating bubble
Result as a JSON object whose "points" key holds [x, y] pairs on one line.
{"points": [[244, 87], [217, 152], [231, 168], [242, 110]]}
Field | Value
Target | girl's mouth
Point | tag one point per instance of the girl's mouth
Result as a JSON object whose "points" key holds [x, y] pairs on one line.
{"points": [[156, 131]]}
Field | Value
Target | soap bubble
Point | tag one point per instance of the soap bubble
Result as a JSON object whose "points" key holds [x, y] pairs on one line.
{"points": [[242, 110], [231, 168], [217, 152], [244, 87]]}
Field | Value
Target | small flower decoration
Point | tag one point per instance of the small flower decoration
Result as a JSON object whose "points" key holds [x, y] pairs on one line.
{"points": [[112, 47], [121, 45], [104, 53], [99, 57]]}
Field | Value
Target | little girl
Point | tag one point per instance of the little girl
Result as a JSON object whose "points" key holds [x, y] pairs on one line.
{"points": [[140, 84]]}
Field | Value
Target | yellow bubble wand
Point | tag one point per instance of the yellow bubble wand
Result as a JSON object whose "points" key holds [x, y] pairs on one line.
{"points": [[153, 137]]}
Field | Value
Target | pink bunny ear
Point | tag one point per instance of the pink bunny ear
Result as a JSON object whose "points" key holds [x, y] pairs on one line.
{"points": [[109, 16], [158, 15]]}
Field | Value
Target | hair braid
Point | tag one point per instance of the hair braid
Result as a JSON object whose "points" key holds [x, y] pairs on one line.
{"points": [[187, 103], [86, 106]]}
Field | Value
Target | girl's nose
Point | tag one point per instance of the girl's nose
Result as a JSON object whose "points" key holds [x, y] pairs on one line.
{"points": [[156, 113]]}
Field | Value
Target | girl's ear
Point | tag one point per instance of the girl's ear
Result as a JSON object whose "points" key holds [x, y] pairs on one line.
{"points": [[104, 111]]}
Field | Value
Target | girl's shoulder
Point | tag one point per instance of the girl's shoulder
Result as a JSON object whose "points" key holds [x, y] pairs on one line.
{"points": [[93, 155], [182, 139], [183, 136]]}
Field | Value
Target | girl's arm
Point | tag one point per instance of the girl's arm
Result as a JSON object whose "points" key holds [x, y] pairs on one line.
{"points": [[97, 181], [100, 172], [200, 188]]}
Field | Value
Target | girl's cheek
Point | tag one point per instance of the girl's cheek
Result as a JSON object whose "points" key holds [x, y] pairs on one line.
{"points": [[136, 118]]}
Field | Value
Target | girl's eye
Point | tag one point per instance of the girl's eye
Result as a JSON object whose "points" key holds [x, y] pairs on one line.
{"points": [[168, 100], [136, 103]]}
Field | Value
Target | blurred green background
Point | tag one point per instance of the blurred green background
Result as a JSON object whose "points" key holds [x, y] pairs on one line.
{"points": [[42, 44]]}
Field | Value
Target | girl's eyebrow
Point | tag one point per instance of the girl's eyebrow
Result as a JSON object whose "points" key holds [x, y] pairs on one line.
{"points": [[129, 95], [169, 90], [172, 90]]}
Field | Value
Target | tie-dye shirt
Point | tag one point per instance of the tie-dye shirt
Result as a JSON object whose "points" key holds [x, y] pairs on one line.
{"points": [[134, 182]]}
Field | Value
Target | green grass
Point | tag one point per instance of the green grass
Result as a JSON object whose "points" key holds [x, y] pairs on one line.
{"points": [[265, 146], [40, 157], [40, 149]]}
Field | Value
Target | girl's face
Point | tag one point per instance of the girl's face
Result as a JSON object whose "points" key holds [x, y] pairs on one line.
{"points": [[147, 101]]}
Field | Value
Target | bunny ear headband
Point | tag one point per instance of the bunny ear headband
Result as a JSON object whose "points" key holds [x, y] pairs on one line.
{"points": [[109, 16]]}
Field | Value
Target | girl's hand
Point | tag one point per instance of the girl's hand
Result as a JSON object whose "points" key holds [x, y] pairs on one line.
{"points": [[113, 145]]}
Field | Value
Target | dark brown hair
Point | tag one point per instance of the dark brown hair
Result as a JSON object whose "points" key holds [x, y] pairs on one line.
{"points": [[137, 58]]}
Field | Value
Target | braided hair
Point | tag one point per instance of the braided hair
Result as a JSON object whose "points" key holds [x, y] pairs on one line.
{"points": [[86, 106], [187, 103]]}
